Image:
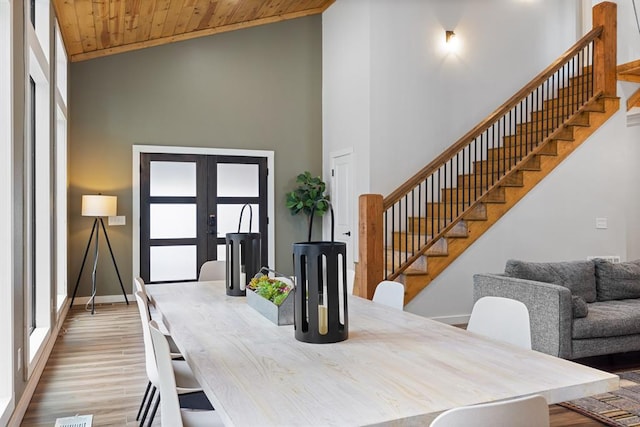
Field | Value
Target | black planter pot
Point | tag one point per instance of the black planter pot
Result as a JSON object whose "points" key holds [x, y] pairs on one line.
{"points": [[243, 257], [320, 299]]}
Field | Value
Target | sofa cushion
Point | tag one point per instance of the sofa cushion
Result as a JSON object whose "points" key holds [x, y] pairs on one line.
{"points": [[580, 307], [609, 319], [617, 281], [578, 276]]}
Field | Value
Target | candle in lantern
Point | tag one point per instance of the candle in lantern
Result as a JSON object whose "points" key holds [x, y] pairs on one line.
{"points": [[243, 280], [323, 321]]}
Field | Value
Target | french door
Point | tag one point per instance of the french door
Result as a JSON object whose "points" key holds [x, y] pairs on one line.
{"points": [[188, 202]]}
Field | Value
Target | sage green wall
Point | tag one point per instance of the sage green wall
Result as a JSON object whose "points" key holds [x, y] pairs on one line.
{"points": [[258, 88]]}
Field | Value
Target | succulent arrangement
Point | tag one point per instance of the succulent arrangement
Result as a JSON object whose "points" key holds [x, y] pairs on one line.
{"points": [[272, 289]]}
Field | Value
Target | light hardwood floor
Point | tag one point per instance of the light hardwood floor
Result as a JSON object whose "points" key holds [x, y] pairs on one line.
{"points": [[97, 367]]}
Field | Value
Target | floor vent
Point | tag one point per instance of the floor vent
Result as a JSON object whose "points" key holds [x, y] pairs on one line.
{"points": [[611, 258], [77, 421]]}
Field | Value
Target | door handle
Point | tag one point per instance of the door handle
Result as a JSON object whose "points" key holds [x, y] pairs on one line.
{"points": [[212, 224], [348, 233]]}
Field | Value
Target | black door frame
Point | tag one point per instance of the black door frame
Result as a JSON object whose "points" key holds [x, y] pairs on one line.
{"points": [[206, 239]]}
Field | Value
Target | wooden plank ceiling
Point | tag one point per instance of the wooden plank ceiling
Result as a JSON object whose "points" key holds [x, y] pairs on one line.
{"points": [[95, 28]]}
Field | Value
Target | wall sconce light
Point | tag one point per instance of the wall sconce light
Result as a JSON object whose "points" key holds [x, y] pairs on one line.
{"points": [[449, 36], [452, 41]]}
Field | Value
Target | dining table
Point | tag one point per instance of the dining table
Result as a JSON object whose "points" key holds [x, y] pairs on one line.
{"points": [[395, 368]]}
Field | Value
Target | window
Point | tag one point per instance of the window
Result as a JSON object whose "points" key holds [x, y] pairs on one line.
{"points": [[38, 182], [6, 182], [60, 163], [30, 179]]}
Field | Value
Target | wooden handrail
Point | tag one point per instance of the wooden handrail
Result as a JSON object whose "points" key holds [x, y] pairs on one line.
{"points": [[497, 114], [442, 233], [374, 210]]}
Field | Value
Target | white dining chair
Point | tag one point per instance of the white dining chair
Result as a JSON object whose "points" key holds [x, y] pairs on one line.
{"points": [[154, 314], [389, 293], [170, 412], [186, 382], [530, 411], [504, 319], [213, 270], [351, 279]]}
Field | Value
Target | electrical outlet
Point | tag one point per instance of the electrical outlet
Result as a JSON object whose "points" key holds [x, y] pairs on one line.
{"points": [[117, 220], [601, 223], [20, 359]]}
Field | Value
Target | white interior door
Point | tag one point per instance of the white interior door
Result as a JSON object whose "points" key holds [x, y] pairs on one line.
{"points": [[343, 201]]}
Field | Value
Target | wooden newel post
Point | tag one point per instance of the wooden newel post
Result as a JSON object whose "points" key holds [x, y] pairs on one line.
{"points": [[371, 261], [605, 49]]}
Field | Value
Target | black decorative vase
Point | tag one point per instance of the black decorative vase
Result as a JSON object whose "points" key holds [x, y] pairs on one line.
{"points": [[243, 257], [320, 299]]}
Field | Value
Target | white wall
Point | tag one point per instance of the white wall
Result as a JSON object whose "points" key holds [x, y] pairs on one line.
{"points": [[422, 101], [346, 94]]}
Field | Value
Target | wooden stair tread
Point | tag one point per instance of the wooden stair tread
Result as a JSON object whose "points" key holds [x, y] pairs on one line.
{"points": [[427, 225], [531, 164], [441, 210], [517, 153], [402, 241], [454, 194]]}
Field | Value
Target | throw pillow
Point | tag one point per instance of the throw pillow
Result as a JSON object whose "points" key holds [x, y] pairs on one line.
{"points": [[617, 281], [578, 276], [580, 308]]}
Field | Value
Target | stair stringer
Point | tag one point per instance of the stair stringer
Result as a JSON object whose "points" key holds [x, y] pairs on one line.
{"points": [[416, 282]]}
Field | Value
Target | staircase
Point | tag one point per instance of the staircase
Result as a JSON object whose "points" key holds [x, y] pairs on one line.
{"points": [[417, 231]]}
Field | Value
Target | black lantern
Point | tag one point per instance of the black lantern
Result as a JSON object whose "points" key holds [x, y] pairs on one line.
{"points": [[320, 301], [243, 257]]}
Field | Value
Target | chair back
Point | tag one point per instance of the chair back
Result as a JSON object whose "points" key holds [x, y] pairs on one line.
{"points": [[140, 286], [530, 411], [150, 359], [213, 270], [389, 293], [169, 403], [351, 278], [504, 319]]}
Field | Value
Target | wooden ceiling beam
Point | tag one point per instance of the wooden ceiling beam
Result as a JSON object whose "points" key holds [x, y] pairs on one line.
{"points": [[629, 72], [201, 33], [634, 100]]}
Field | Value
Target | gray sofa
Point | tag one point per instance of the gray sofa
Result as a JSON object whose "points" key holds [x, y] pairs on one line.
{"points": [[577, 308]]}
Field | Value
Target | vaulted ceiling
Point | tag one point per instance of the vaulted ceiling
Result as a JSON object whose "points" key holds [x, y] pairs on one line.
{"points": [[95, 28]]}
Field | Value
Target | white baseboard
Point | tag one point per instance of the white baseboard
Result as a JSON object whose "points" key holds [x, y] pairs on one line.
{"points": [[462, 319], [103, 299]]}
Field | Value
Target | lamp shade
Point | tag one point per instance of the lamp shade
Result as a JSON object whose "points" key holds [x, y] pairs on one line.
{"points": [[99, 205]]}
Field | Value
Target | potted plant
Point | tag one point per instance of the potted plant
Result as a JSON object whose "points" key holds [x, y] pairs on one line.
{"points": [[272, 298], [310, 192]]}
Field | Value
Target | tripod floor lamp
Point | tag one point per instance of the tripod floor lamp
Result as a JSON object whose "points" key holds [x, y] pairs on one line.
{"points": [[98, 206]]}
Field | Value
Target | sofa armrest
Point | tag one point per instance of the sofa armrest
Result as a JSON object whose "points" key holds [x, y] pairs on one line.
{"points": [[549, 305]]}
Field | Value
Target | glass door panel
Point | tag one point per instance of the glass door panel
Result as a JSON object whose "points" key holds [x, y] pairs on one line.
{"points": [[173, 221], [229, 215], [238, 180], [172, 179], [171, 263]]}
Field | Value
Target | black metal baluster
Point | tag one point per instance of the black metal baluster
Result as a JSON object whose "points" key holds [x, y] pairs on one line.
{"points": [[393, 238], [419, 217]]}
